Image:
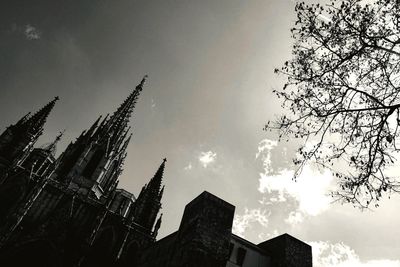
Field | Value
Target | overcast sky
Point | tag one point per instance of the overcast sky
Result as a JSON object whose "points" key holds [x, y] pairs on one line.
{"points": [[209, 93]]}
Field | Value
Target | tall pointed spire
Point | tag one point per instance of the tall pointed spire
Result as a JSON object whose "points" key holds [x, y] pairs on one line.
{"points": [[36, 122], [114, 130], [148, 203], [154, 185], [127, 106], [117, 124], [98, 154]]}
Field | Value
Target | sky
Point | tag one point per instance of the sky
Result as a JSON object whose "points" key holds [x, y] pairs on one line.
{"points": [[209, 94]]}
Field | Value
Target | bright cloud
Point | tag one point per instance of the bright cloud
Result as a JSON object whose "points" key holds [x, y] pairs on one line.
{"points": [[207, 158], [31, 33], [295, 217], [265, 146], [326, 254], [310, 190], [242, 222]]}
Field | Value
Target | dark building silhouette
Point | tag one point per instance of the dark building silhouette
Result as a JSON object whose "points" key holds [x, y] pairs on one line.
{"points": [[68, 211]]}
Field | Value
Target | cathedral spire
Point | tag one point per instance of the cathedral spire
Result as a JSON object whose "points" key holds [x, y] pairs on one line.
{"points": [[148, 203], [154, 185], [98, 154], [124, 111], [117, 124], [35, 123]]}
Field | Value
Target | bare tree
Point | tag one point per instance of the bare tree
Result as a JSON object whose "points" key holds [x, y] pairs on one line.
{"points": [[342, 90]]}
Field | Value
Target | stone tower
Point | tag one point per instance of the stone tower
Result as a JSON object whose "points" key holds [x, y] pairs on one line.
{"points": [[204, 233]]}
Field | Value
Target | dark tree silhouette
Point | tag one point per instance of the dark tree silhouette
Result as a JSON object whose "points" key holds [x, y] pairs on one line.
{"points": [[342, 90]]}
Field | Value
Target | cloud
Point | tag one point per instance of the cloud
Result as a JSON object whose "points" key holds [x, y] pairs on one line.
{"points": [[242, 222], [267, 235], [310, 190], [188, 167], [295, 217], [326, 254], [266, 145], [31, 33], [274, 162], [207, 158]]}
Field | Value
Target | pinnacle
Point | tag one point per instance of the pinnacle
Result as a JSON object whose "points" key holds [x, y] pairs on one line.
{"points": [[144, 79], [155, 182], [36, 122], [118, 122]]}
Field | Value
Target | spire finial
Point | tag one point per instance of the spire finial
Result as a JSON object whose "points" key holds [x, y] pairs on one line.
{"points": [[144, 79], [139, 87]]}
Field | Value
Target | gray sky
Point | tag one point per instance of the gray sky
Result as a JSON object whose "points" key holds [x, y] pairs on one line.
{"points": [[210, 65]]}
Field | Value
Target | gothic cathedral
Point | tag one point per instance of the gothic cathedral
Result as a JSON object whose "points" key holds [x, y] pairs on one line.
{"points": [[68, 211]]}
